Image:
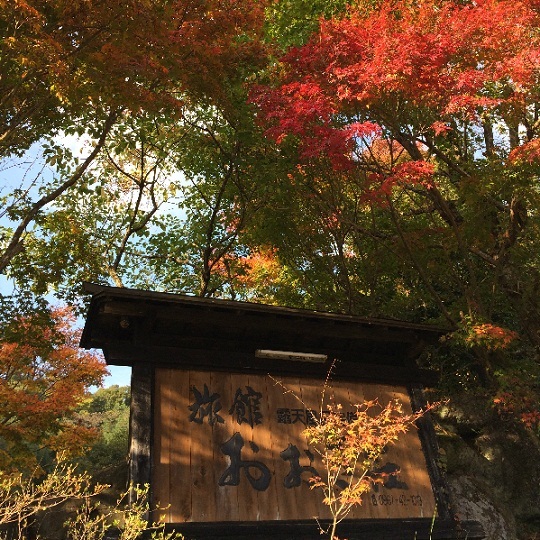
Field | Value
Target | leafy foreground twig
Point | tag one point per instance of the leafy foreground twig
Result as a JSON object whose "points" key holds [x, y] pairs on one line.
{"points": [[23, 501], [91, 522], [350, 449]]}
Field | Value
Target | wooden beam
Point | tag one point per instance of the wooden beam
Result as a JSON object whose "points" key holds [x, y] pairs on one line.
{"points": [[288, 324], [372, 529], [384, 353], [276, 319], [121, 354]]}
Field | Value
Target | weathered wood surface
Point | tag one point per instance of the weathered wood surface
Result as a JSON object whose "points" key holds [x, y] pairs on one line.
{"points": [[430, 448], [202, 333], [140, 424], [192, 469]]}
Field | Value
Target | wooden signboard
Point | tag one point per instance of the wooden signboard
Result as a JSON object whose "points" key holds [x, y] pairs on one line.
{"points": [[221, 444], [229, 447]]}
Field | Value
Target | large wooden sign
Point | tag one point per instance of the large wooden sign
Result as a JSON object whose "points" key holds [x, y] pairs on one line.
{"points": [[229, 447], [221, 444]]}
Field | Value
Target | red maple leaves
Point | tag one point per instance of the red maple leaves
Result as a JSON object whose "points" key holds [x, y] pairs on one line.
{"points": [[43, 377], [361, 77]]}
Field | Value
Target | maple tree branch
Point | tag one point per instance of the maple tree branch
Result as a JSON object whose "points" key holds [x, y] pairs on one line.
{"points": [[133, 227], [443, 157], [417, 265], [484, 256], [134, 179], [207, 265], [17, 120], [16, 243]]}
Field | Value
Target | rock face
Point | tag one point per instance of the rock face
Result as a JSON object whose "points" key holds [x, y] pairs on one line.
{"points": [[493, 469], [470, 503]]}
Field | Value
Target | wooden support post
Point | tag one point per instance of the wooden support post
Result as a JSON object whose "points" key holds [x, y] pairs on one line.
{"points": [[140, 426], [431, 453]]}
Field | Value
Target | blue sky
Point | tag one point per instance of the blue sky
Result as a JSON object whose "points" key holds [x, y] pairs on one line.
{"points": [[120, 375], [20, 172], [31, 170]]}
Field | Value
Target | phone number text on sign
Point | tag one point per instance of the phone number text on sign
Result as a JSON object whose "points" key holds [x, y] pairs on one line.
{"points": [[403, 500]]}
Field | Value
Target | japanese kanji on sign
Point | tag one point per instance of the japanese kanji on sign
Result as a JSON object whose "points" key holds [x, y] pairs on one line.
{"points": [[239, 441]]}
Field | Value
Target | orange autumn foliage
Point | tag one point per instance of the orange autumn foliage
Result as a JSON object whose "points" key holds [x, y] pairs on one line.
{"points": [[526, 153], [61, 59], [491, 336], [518, 404], [350, 449], [254, 275], [259, 269], [43, 377]]}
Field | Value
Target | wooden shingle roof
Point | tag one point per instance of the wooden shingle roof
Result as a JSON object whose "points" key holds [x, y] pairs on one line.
{"points": [[133, 326]]}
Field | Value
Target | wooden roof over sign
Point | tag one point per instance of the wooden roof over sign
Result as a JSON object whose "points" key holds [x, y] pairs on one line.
{"points": [[134, 326]]}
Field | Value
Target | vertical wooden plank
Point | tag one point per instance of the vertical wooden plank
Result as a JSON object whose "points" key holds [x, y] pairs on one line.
{"points": [[286, 398], [225, 497], [267, 500], [312, 395], [420, 464], [140, 425], [428, 440], [379, 498], [349, 395], [277, 435], [179, 450], [202, 454], [408, 453], [417, 499], [247, 494]]}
